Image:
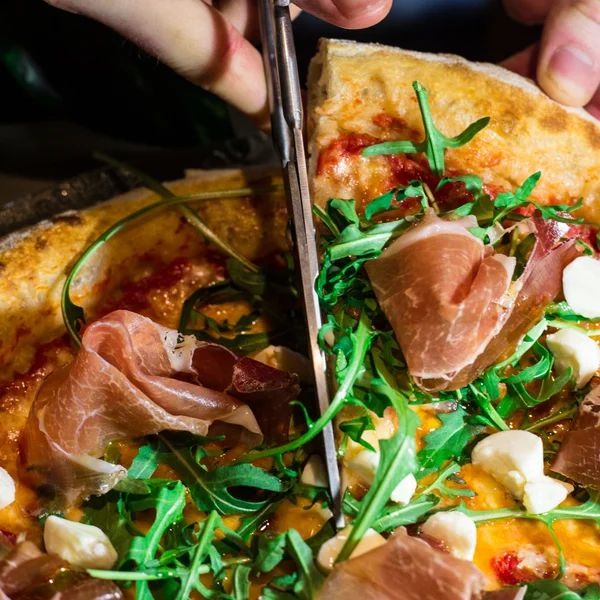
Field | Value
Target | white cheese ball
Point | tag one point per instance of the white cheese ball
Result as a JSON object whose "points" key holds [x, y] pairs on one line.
{"points": [[456, 530], [545, 494], [574, 349], [364, 466], [514, 458], [581, 286], [7, 489], [82, 545], [331, 549]]}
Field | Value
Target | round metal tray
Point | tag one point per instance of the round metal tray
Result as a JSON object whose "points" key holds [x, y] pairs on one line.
{"points": [[104, 183]]}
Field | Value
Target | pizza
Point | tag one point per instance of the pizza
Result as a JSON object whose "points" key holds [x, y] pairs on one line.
{"points": [[158, 433]]}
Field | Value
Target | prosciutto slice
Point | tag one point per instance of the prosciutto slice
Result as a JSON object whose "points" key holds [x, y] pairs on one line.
{"points": [[132, 378], [579, 455], [451, 300], [405, 568], [26, 571]]}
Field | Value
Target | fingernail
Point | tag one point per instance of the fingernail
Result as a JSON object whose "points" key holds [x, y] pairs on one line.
{"points": [[573, 71], [357, 8]]}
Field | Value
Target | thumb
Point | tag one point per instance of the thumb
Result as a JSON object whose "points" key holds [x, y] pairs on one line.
{"points": [[569, 66]]}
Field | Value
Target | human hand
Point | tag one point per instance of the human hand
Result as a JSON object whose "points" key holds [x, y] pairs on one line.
{"points": [[209, 42], [566, 62]]}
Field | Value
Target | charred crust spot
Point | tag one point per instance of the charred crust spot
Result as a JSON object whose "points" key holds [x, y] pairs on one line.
{"points": [[555, 119], [2, 267], [68, 219], [40, 243], [592, 132]]}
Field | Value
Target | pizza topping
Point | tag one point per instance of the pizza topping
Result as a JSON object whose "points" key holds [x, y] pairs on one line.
{"points": [[516, 460], [581, 285], [573, 349], [7, 489], [450, 298], [26, 572], [330, 550], [123, 385], [314, 472], [579, 457], [445, 295], [81, 545], [457, 532], [406, 568]]}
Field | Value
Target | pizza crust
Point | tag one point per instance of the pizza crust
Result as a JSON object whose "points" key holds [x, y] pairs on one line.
{"points": [[350, 84], [34, 262]]}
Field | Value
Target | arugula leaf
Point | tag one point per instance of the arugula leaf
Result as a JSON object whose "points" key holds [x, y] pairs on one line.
{"points": [[240, 582], [383, 203], [446, 442], [398, 459], [354, 428], [508, 201], [310, 578], [478, 395], [146, 462], [566, 313], [528, 341], [396, 516], [270, 549], [210, 489], [589, 510], [440, 486], [482, 206], [112, 518], [250, 524], [190, 581], [549, 590], [360, 341], [169, 504], [73, 315], [190, 215], [434, 143], [518, 397], [132, 486]]}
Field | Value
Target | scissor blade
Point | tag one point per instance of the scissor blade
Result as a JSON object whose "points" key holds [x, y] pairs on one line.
{"points": [[286, 117], [308, 267]]}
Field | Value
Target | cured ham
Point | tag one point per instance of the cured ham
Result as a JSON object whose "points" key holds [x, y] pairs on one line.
{"points": [[26, 571], [132, 378], [452, 302], [445, 295], [579, 455], [404, 568]]}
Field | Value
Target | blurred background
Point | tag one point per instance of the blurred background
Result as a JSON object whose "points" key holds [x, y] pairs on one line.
{"points": [[69, 86]]}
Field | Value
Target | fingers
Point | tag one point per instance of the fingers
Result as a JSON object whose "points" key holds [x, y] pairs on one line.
{"points": [[594, 106], [350, 14], [242, 15], [528, 11], [569, 65], [194, 39], [524, 62]]}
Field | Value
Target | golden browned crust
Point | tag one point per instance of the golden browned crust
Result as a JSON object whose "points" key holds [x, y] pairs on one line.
{"points": [[35, 262], [350, 84]]}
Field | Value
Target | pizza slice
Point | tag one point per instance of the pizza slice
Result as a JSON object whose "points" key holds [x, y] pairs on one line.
{"points": [[454, 200], [157, 432]]}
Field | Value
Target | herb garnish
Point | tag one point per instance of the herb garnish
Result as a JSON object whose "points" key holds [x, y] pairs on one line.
{"points": [[435, 142], [73, 315], [371, 375]]}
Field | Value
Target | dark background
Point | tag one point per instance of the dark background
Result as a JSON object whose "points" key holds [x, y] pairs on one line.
{"points": [[69, 86]]}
